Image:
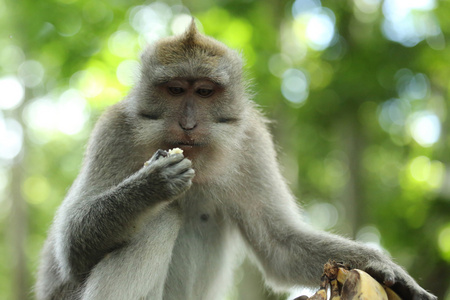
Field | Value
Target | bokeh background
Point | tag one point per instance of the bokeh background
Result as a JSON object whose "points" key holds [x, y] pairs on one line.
{"points": [[358, 91]]}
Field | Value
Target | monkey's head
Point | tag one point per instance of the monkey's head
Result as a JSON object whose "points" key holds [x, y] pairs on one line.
{"points": [[191, 95]]}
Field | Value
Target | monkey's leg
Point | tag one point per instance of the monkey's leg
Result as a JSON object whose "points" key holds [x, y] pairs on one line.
{"points": [[138, 270]]}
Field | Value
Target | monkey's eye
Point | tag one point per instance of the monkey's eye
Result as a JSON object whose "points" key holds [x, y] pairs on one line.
{"points": [[204, 92], [175, 90], [149, 116]]}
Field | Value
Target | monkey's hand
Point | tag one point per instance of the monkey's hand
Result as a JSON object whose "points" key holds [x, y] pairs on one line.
{"points": [[164, 177], [398, 279]]}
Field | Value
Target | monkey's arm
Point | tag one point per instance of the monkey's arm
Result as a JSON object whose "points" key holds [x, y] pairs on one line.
{"points": [[108, 201], [290, 253], [287, 250]]}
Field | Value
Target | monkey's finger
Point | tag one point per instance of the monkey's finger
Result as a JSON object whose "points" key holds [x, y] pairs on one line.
{"points": [[182, 182], [383, 275], [171, 160], [168, 161], [190, 173], [179, 168], [157, 155], [406, 288]]}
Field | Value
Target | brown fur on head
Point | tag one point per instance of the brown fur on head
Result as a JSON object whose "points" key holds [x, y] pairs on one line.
{"points": [[191, 44], [191, 55]]}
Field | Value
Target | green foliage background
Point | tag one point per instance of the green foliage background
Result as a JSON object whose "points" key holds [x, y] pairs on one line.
{"points": [[347, 138]]}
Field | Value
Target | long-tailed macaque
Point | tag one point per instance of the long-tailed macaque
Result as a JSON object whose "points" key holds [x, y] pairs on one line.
{"points": [[172, 228]]}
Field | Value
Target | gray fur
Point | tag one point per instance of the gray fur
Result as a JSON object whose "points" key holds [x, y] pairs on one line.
{"points": [[163, 231]]}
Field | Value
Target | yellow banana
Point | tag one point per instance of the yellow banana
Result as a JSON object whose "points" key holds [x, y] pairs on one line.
{"points": [[335, 290], [391, 294], [367, 284], [361, 286]]}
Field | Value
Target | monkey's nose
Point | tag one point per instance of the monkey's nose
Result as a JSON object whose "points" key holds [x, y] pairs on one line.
{"points": [[187, 126]]}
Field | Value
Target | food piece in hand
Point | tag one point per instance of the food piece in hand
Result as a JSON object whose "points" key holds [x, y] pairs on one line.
{"points": [[175, 151]]}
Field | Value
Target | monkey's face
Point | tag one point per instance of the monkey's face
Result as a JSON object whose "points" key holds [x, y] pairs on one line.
{"points": [[198, 115]]}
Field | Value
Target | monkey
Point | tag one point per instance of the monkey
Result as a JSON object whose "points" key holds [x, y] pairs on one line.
{"points": [[174, 226]]}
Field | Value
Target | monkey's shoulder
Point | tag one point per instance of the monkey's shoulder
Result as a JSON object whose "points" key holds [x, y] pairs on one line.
{"points": [[113, 123], [111, 153]]}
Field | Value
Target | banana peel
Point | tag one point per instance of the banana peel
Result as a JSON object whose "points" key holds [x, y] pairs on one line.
{"points": [[345, 284], [360, 285]]}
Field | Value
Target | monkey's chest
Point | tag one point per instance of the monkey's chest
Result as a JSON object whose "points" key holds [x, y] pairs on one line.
{"points": [[202, 246], [201, 216], [203, 225]]}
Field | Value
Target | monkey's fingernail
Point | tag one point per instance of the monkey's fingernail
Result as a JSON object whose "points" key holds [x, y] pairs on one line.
{"points": [[160, 153], [389, 281]]}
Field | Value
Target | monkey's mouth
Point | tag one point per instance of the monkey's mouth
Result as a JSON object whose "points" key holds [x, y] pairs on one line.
{"points": [[188, 145]]}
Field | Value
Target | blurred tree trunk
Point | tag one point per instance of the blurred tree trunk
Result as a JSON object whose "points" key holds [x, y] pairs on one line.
{"points": [[18, 235], [18, 229], [352, 196]]}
